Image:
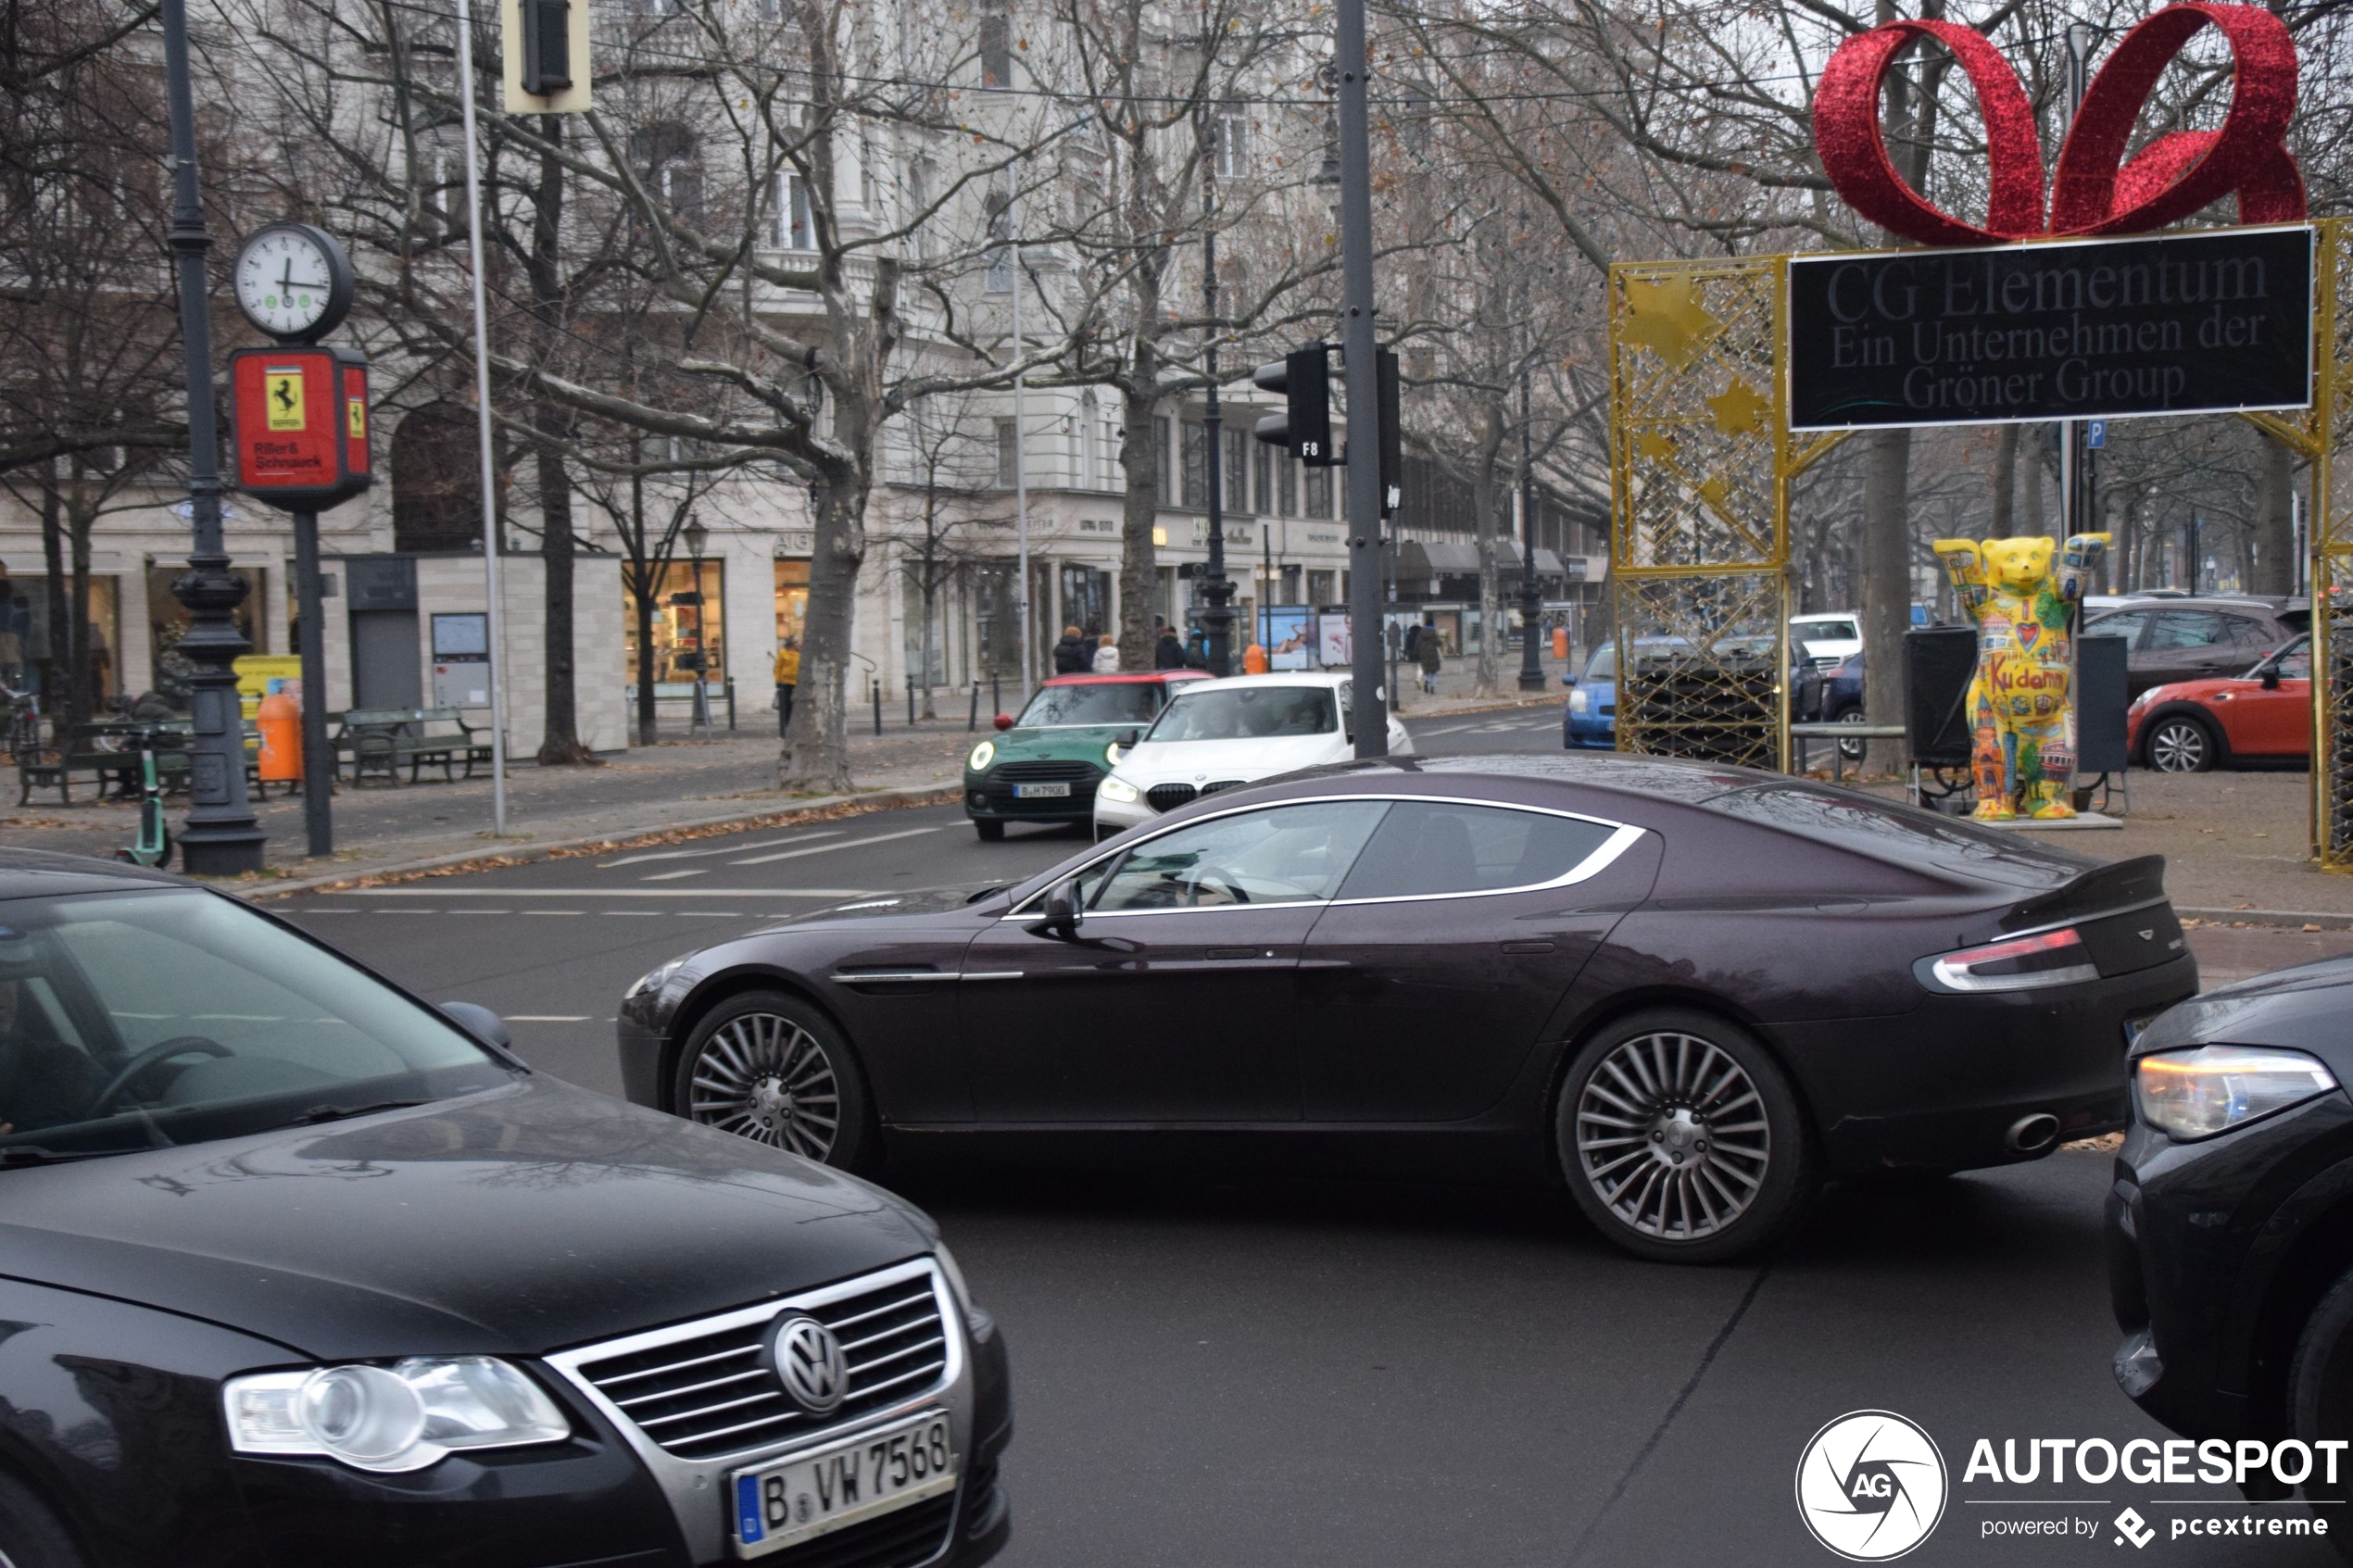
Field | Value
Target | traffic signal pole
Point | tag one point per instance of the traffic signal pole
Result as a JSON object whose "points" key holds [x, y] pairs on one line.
{"points": [[1357, 342]]}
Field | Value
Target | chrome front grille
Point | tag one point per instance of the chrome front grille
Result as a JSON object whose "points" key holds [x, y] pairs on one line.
{"points": [[1168, 797], [708, 1390], [1213, 785]]}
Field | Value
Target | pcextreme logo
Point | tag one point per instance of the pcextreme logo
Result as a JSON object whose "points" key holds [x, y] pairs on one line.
{"points": [[1870, 1485]]}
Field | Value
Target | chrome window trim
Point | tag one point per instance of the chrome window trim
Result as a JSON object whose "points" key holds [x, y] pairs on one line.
{"points": [[890, 977], [697, 1489], [1623, 836]]}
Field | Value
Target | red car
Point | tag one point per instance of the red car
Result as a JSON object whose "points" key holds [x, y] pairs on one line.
{"points": [[2189, 726]]}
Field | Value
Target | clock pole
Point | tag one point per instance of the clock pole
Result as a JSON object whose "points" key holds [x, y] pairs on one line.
{"points": [[221, 836]]}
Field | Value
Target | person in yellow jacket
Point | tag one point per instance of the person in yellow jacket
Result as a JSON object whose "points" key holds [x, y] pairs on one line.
{"points": [[787, 677]]}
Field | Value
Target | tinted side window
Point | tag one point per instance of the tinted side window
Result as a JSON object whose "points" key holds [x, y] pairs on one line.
{"points": [[2240, 629], [2187, 629], [1283, 854], [1424, 847], [2125, 623]]}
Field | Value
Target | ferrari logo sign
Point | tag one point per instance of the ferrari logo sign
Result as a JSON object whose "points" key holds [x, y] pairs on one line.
{"points": [[358, 410], [282, 396]]}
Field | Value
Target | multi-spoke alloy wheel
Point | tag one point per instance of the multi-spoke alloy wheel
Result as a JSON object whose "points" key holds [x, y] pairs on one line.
{"points": [[1671, 1131], [770, 1069], [2181, 746], [1681, 1138]]}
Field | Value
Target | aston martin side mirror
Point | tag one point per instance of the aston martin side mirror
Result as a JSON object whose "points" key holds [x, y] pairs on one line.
{"points": [[1057, 915]]}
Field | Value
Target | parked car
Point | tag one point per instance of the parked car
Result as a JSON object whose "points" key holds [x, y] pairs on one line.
{"points": [[2266, 711], [1553, 970], [1218, 735], [1591, 716], [1046, 765], [2230, 1223], [299, 1269], [1825, 637], [2193, 639]]}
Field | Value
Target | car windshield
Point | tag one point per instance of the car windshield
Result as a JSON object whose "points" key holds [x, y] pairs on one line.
{"points": [[1247, 713], [136, 1020], [1827, 631], [1092, 702], [1603, 666], [2292, 659]]}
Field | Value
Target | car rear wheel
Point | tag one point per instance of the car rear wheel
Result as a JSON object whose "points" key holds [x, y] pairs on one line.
{"points": [[990, 833], [773, 1068], [1681, 1138], [2180, 745], [1852, 750], [31, 1535], [2320, 1381]]}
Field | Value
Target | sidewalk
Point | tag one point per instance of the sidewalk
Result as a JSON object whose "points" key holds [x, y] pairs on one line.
{"points": [[641, 791]]}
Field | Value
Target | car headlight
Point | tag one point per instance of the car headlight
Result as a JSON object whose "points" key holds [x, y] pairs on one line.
{"points": [[983, 755], [1118, 789], [391, 1418], [1113, 752], [653, 979], [2196, 1094], [1578, 702]]}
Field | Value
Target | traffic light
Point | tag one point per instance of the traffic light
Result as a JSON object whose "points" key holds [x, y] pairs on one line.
{"points": [[1304, 429], [546, 46], [1393, 443]]}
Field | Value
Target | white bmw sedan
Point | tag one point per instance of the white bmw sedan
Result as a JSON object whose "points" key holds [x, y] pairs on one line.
{"points": [[1216, 734]]}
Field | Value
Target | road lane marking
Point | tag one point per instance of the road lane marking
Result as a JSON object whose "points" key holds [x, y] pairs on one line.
{"points": [[544, 1018], [555, 914], [723, 849], [675, 876], [823, 848], [634, 914], [302, 912], [404, 911], [598, 893]]}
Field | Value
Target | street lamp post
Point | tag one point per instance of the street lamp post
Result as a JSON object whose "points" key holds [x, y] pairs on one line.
{"points": [[698, 536], [1532, 600], [221, 837], [1217, 615]]}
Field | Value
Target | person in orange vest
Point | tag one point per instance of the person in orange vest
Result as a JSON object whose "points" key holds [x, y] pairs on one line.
{"points": [[787, 677]]}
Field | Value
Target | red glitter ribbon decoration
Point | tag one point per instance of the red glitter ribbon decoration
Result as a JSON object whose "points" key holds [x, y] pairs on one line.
{"points": [[2096, 191]]}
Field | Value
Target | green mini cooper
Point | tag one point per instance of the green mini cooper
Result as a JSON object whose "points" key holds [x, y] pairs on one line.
{"points": [[1044, 767]]}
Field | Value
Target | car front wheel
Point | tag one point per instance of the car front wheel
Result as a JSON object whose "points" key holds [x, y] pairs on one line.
{"points": [[771, 1067], [2320, 1383], [1681, 1139], [2180, 745]]}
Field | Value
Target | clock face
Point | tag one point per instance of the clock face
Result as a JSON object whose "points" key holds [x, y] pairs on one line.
{"points": [[286, 283]]}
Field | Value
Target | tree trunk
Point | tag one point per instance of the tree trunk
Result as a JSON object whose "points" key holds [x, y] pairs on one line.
{"points": [[2005, 482], [61, 693], [2036, 524], [2275, 522], [1887, 589], [923, 643], [816, 748], [87, 693], [559, 741], [1486, 678], [1139, 510], [642, 605]]}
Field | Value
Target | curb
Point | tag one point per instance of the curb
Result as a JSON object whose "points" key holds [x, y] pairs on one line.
{"points": [[486, 859], [2327, 920]]}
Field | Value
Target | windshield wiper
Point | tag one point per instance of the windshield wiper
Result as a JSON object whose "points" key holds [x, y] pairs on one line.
{"points": [[318, 1114], [32, 1154]]}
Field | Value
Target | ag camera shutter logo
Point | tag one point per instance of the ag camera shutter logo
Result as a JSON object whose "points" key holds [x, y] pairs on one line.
{"points": [[1870, 1485]]}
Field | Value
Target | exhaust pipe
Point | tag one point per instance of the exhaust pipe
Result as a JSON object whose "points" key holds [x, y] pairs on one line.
{"points": [[2033, 1134]]}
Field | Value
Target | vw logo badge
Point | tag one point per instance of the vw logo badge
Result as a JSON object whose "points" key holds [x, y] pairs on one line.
{"points": [[809, 1364]]}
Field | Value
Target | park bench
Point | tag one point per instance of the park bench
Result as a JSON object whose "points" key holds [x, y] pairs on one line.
{"points": [[723, 693], [380, 740], [103, 755]]}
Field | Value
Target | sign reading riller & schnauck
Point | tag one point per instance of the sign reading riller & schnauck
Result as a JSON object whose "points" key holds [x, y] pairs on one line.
{"points": [[2181, 323]]}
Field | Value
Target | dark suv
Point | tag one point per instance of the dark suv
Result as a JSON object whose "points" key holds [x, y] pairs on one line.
{"points": [[2194, 639], [2231, 1226]]}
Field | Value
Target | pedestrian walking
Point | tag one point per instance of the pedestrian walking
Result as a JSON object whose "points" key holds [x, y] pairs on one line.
{"points": [[1428, 655], [1169, 653], [1073, 655], [1106, 662], [787, 677]]}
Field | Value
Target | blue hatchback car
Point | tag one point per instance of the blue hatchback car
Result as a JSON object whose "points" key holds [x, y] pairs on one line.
{"points": [[1591, 716]]}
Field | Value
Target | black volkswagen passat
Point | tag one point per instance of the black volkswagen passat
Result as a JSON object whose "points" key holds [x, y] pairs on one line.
{"points": [[2231, 1226], [1687, 991], [296, 1271]]}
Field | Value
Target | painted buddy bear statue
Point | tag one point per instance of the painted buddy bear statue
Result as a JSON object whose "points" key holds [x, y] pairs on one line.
{"points": [[2023, 714]]}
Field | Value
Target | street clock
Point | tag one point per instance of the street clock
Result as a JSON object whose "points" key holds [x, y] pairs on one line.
{"points": [[294, 281]]}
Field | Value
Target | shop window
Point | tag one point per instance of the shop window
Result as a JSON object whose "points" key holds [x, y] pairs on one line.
{"points": [[1236, 470], [1086, 600], [1319, 492], [792, 600], [997, 626], [40, 649], [690, 622]]}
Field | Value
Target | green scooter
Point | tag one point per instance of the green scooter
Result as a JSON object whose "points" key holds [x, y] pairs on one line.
{"points": [[153, 845]]}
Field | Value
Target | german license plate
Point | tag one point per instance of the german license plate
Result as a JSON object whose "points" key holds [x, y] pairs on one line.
{"points": [[2133, 1027], [1041, 791], [791, 1501]]}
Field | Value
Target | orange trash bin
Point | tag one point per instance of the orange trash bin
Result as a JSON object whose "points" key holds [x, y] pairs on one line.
{"points": [[280, 719], [1560, 642], [1255, 660]]}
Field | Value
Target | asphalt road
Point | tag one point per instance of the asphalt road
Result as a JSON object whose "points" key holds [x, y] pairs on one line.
{"points": [[1227, 1372]]}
